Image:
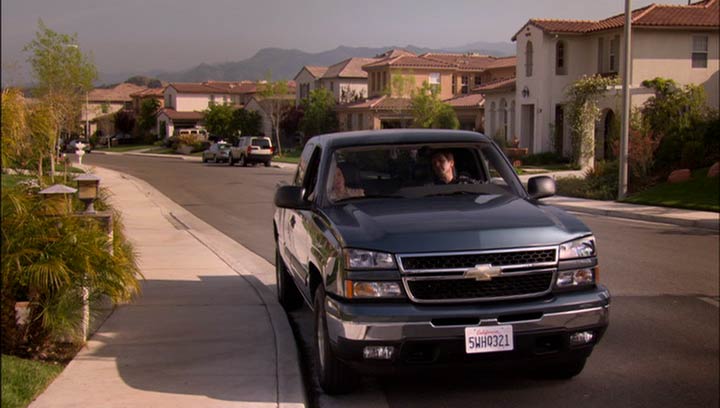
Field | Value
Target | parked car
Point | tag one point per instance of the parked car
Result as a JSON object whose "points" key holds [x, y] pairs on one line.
{"points": [[403, 269], [252, 149], [217, 152]]}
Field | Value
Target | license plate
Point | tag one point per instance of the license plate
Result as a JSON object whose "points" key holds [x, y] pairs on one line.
{"points": [[488, 339]]}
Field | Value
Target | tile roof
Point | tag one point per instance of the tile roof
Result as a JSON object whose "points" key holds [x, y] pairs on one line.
{"points": [[315, 71], [500, 85], [466, 101], [223, 87], [349, 68], [175, 115], [157, 92], [395, 52], [703, 14], [119, 93], [409, 61]]}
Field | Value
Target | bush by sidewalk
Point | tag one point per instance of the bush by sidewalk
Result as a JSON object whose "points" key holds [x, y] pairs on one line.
{"points": [[47, 257]]}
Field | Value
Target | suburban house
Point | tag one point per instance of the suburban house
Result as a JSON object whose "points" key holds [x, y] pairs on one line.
{"points": [[105, 102], [184, 103], [395, 75], [671, 41], [307, 81]]}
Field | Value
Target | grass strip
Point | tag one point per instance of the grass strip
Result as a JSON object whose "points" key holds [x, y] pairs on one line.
{"points": [[23, 380]]}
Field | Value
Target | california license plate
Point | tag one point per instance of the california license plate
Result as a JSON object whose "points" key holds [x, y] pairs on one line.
{"points": [[488, 339]]}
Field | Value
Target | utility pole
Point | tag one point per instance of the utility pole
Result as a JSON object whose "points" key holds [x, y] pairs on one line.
{"points": [[625, 133]]}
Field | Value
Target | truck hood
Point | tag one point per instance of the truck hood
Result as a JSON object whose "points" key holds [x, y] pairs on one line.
{"points": [[452, 223]]}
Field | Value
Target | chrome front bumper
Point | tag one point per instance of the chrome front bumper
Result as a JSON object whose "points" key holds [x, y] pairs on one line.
{"points": [[345, 321]]}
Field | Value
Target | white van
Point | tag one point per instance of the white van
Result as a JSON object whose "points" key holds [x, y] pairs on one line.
{"points": [[198, 132]]}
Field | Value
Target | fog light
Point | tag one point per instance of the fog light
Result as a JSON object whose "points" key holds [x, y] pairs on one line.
{"points": [[378, 352], [581, 338]]}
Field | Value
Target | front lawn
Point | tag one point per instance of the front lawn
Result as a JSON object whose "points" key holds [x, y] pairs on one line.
{"points": [[124, 148], [288, 156], [23, 380], [11, 180], [698, 193]]}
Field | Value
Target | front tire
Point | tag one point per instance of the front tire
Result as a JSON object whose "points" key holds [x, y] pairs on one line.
{"points": [[242, 162], [288, 294], [230, 161], [267, 164], [334, 376]]}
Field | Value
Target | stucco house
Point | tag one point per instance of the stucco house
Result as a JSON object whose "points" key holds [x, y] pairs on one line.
{"points": [[185, 102], [264, 107], [388, 103], [671, 41], [102, 102], [307, 81], [139, 97]]}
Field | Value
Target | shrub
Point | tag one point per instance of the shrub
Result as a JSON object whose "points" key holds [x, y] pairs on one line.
{"points": [[599, 183], [48, 259], [545, 158]]}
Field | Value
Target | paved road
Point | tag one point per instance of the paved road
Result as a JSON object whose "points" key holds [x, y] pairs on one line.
{"points": [[661, 348]]}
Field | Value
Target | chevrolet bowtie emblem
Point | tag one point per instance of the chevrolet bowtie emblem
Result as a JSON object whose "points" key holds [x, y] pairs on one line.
{"points": [[483, 272]]}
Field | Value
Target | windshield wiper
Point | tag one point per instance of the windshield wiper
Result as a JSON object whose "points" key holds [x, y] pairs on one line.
{"points": [[452, 193], [369, 196]]}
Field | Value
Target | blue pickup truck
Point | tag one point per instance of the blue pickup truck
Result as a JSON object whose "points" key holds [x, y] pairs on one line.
{"points": [[421, 248]]}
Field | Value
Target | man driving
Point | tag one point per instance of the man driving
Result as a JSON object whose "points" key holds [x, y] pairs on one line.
{"points": [[443, 164]]}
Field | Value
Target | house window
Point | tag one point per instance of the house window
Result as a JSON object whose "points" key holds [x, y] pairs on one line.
{"points": [[454, 84], [601, 55], [332, 86], [360, 121], [384, 80], [560, 63], [478, 80], [212, 99], [528, 59], [700, 51], [614, 51], [464, 84]]}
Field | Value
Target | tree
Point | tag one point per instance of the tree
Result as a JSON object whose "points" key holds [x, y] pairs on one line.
{"points": [[124, 121], [147, 118], [246, 122], [290, 124], [275, 103], [430, 112], [219, 120], [402, 86], [63, 75], [320, 116], [42, 133], [14, 127]]}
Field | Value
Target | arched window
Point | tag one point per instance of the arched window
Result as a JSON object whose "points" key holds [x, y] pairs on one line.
{"points": [[528, 59], [560, 58]]}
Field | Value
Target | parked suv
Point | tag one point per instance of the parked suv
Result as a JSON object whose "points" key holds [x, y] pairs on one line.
{"points": [[422, 248], [252, 149]]}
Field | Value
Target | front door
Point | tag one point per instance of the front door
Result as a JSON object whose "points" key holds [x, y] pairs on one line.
{"points": [[527, 130]]}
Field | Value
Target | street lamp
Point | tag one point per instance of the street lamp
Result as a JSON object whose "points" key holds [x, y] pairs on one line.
{"points": [[88, 191]]}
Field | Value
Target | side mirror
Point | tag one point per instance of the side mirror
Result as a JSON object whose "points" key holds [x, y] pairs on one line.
{"points": [[291, 197], [541, 187]]}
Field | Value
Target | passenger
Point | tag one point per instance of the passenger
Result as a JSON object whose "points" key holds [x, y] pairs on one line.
{"points": [[340, 190], [443, 164]]}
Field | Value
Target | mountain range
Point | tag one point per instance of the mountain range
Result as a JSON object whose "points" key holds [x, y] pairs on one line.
{"points": [[281, 63]]}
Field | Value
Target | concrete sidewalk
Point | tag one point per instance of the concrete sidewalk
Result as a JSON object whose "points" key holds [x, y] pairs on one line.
{"points": [[206, 330]]}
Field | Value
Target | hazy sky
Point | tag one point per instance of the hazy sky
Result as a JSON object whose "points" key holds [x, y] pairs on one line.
{"points": [[140, 35]]}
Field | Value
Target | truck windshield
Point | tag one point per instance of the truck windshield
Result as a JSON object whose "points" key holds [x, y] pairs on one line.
{"points": [[416, 171]]}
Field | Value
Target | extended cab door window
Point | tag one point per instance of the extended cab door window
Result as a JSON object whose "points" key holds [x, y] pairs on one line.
{"points": [[311, 175]]}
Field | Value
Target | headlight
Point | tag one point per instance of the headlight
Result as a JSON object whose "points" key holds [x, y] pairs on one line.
{"points": [[580, 248], [362, 259], [580, 277], [363, 289]]}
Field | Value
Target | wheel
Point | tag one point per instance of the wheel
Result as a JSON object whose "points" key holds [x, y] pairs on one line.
{"points": [[288, 294], [334, 376], [242, 161], [267, 164], [230, 161], [204, 159], [564, 370], [215, 160]]}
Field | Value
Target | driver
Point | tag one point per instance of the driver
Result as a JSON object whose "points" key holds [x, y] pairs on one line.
{"points": [[443, 164]]}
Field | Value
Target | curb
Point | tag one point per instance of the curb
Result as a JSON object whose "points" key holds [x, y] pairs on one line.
{"points": [[704, 224], [289, 377]]}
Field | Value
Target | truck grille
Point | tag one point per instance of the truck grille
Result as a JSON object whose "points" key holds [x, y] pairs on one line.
{"points": [[466, 261], [470, 289]]}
